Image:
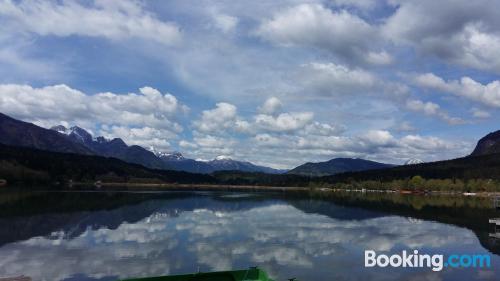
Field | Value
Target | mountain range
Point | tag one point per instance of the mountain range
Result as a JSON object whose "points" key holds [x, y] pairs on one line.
{"points": [[33, 155], [152, 158], [79, 141], [116, 147], [336, 166]]}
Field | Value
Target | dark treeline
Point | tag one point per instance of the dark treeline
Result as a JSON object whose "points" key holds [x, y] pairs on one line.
{"points": [[473, 173], [25, 166], [32, 167]]}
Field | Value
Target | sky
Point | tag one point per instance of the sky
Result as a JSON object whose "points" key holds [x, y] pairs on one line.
{"points": [[277, 83]]}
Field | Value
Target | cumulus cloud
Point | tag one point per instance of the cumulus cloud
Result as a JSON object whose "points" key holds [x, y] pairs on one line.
{"points": [[284, 122], [379, 138], [343, 34], [331, 79], [466, 87], [223, 116], [146, 137], [296, 137], [432, 109], [150, 245], [115, 20], [270, 106], [323, 58], [150, 113], [378, 145]]}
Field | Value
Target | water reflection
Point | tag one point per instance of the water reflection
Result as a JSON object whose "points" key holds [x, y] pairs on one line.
{"points": [[171, 233]]}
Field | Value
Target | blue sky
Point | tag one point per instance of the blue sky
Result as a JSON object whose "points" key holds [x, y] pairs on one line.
{"points": [[276, 83]]}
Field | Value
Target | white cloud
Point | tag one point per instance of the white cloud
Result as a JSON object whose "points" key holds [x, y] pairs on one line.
{"points": [[296, 137], [425, 143], [460, 31], [432, 109], [150, 245], [225, 23], [145, 137], [224, 118], [270, 106], [381, 58], [218, 119], [428, 108], [209, 146], [148, 112], [341, 33], [187, 144], [466, 87], [334, 79], [479, 113], [115, 20], [323, 129], [268, 140], [284, 122], [378, 138]]}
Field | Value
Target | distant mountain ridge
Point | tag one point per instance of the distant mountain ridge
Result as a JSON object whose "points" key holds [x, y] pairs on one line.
{"points": [[19, 133], [155, 159], [79, 141], [116, 147], [490, 144], [336, 166], [176, 161]]}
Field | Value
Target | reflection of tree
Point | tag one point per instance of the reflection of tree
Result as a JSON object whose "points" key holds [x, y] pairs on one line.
{"points": [[470, 212], [27, 214], [175, 232]]}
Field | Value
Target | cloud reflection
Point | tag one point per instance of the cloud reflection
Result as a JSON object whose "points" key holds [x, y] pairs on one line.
{"points": [[277, 236]]}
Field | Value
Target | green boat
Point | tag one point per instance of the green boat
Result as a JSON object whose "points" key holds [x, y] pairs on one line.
{"points": [[251, 274]]}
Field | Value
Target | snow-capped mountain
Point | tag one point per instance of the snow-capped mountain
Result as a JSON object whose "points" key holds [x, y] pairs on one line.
{"points": [[413, 161], [176, 161], [18, 133], [169, 156], [154, 158], [116, 147], [222, 158]]}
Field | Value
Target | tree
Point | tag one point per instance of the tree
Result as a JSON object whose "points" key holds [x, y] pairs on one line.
{"points": [[416, 182]]}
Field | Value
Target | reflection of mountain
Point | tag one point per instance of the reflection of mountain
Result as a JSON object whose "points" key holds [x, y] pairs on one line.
{"points": [[165, 233], [107, 236], [77, 212], [74, 213]]}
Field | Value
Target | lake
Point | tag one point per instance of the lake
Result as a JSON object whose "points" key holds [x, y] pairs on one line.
{"points": [[110, 235]]}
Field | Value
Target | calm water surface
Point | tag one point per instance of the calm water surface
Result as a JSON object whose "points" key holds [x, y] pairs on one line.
{"points": [[105, 236]]}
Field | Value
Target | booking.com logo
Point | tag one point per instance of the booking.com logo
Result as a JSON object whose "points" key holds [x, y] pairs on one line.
{"points": [[435, 262]]}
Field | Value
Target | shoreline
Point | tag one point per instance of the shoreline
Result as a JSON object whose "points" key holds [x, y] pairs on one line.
{"points": [[262, 188]]}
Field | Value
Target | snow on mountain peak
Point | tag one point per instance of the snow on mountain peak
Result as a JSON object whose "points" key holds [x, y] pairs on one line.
{"points": [[222, 158], [414, 161], [166, 155], [60, 129]]}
